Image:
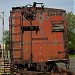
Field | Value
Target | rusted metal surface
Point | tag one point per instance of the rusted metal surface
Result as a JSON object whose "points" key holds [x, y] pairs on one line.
{"points": [[38, 38], [42, 50]]}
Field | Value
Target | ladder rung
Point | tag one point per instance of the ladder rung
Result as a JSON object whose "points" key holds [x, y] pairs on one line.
{"points": [[15, 33], [16, 58], [15, 41], [13, 25], [16, 44], [15, 18], [16, 49]]}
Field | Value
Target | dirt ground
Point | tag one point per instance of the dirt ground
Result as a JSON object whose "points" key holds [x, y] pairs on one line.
{"points": [[72, 64]]}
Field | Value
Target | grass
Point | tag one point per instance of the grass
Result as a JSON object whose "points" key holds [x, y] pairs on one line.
{"points": [[72, 56]]}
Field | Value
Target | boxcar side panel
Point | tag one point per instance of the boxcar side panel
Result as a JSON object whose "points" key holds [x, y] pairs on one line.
{"points": [[44, 44]]}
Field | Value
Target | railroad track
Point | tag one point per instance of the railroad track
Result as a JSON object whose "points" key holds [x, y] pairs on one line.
{"points": [[61, 72]]}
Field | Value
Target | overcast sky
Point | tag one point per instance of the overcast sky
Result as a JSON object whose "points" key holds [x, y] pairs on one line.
{"points": [[6, 6]]}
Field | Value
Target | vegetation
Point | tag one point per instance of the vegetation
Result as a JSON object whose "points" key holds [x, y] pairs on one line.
{"points": [[6, 40], [6, 37], [72, 56], [71, 31]]}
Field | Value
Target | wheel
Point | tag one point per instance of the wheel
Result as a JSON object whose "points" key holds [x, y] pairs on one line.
{"points": [[67, 66], [38, 68]]}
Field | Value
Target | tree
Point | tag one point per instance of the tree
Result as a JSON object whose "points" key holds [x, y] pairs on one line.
{"points": [[71, 31], [70, 21], [6, 37], [6, 41]]}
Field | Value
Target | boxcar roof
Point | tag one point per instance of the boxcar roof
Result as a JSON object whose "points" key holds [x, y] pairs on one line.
{"points": [[38, 8]]}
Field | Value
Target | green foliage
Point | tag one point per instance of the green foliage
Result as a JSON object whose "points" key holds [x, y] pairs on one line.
{"points": [[70, 22], [72, 56], [6, 39], [71, 30]]}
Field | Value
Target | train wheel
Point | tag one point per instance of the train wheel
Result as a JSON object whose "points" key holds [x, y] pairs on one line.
{"points": [[38, 68], [44, 68], [67, 66], [52, 68]]}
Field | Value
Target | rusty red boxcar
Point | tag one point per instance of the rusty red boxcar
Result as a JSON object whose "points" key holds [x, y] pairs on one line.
{"points": [[38, 37]]}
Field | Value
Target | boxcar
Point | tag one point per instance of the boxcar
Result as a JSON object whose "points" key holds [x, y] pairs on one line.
{"points": [[38, 37]]}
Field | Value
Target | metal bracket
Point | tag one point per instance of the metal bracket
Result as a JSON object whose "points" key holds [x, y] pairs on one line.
{"points": [[30, 28]]}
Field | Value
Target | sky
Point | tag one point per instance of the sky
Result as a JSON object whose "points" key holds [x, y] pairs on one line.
{"points": [[6, 6]]}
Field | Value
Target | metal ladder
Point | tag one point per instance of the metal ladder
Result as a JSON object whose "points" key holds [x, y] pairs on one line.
{"points": [[13, 35]]}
